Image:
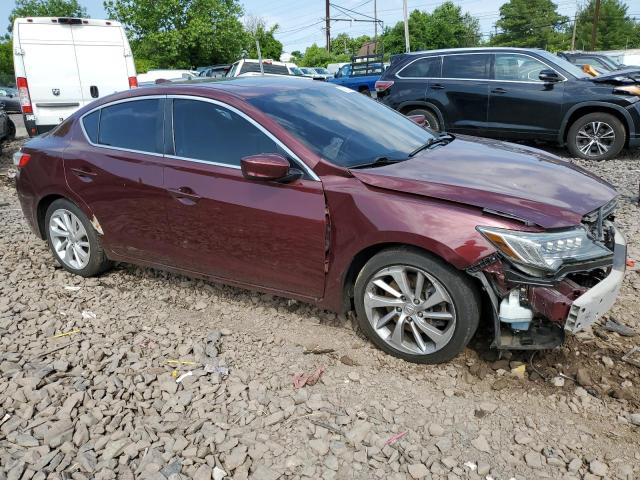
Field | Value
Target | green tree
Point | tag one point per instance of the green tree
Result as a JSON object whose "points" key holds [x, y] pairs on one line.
{"points": [[315, 56], [531, 23], [344, 44], [181, 33], [46, 8], [446, 27], [6, 61], [256, 29], [615, 28]]}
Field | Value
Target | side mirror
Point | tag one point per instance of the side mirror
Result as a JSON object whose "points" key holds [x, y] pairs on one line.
{"points": [[418, 119], [268, 167], [549, 76]]}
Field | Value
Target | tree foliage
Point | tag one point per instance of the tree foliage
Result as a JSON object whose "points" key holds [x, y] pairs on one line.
{"points": [[531, 23], [181, 33], [446, 27], [315, 56], [46, 8], [344, 44], [615, 29], [256, 29], [6, 61]]}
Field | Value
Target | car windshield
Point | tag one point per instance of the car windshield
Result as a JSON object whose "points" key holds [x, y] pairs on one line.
{"points": [[564, 64], [308, 70], [322, 71], [296, 71], [343, 126]]}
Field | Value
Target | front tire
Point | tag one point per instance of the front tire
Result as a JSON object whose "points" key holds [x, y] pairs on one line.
{"points": [[596, 136], [431, 121], [73, 240], [415, 306]]}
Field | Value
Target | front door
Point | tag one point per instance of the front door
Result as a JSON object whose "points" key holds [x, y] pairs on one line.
{"points": [[265, 234], [462, 94], [119, 176], [520, 104]]}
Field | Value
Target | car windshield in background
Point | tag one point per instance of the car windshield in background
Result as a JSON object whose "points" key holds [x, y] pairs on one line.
{"points": [[343, 126], [322, 71], [564, 64], [254, 67]]}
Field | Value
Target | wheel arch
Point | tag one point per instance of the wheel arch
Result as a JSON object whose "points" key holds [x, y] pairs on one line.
{"points": [[582, 109], [360, 259], [406, 107], [41, 211]]}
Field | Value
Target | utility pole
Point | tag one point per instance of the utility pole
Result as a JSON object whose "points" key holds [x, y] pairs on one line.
{"points": [[594, 28], [573, 37], [328, 25], [375, 23], [406, 26]]}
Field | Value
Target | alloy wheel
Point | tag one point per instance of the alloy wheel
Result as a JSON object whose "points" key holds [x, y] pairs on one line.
{"points": [[69, 239], [410, 310], [594, 139]]}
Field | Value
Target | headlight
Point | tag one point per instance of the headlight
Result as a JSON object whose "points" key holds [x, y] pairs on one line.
{"points": [[546, 251]]}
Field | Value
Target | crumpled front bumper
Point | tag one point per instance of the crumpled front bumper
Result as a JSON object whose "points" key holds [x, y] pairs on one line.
{"points": [[596, 301]]}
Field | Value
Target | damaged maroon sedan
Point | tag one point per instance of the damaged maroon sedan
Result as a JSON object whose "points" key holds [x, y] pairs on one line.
{"points": [[314, 192]]}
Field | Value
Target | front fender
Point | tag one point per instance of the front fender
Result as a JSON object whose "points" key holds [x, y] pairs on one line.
{"points": [[564, 125]]}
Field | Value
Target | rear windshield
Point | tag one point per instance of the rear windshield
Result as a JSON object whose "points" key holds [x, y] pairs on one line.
{"points": [[268, 68], [343, 126]]}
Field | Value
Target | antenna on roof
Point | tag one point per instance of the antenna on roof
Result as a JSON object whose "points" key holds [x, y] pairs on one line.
{"points": [[259, 57]]}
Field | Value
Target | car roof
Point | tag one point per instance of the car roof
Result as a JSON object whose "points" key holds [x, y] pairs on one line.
{"points": [[475, 49]]}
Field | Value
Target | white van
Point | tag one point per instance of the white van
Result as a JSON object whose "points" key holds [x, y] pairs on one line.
{"points": [[62, 64]]}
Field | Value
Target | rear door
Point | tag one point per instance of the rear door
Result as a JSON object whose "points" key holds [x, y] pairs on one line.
{"points": [[51, 69], [97, 47], [118, 173], [416, 77], [520, 104], [462, 94]]}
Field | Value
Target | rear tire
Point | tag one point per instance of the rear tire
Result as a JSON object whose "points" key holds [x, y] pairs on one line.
{"points": [[428, 320], [431, 120], [365, 91], [73, 241], [596, 136]]}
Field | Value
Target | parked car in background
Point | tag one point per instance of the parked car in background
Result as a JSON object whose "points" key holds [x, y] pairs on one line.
{"points": [[519, 94], [7, 128], [294, 70], [311, 73], [153, 76], [263, 183], [628, 58], [64, 63], [214, 71], [9, 100], [361, 74], [323, 72], [250, 67], [601, 62], [332, 68]]}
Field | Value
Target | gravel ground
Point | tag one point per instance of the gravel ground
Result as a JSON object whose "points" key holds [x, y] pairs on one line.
{"points": [[88, 385]]}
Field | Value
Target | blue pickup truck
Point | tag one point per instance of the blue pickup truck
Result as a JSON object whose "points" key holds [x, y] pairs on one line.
{"points": [[361, 74]]}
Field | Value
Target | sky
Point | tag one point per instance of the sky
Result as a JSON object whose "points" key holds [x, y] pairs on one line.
{"points": [[301, 22]]}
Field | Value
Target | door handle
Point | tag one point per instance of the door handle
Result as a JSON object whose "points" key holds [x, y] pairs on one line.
{"points": [[83, 174], [184, 195], [436, 86], [498, 90]]}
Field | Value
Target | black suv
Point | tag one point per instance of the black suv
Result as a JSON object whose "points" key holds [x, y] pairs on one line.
{"points": [[515, 93]]}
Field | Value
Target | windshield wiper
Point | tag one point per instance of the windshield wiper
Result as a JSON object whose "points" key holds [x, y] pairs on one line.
{"points": [[441, 139], [378, 162]]}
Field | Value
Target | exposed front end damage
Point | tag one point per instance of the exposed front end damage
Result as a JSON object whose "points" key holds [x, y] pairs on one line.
{"points": [[559, 303]]}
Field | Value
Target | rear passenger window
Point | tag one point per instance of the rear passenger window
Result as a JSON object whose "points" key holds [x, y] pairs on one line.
{"points": [[428, 67], [90, 123], [206, 131], [135, 125], [474, 67]]}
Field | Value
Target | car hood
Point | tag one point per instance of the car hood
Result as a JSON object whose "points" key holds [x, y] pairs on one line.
{"points": [[505, 178], [627, 75]]}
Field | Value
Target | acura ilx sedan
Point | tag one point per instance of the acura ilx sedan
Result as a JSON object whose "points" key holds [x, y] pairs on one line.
{"points": [[311, 191]]}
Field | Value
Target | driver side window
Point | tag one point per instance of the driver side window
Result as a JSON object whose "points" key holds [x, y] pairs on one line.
{"points": [[211, 133], [517, 68]]}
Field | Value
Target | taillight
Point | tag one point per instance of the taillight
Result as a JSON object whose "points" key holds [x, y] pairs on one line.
{"points": [[133, 82], [21, 159], [382, 85], [23, 92]]}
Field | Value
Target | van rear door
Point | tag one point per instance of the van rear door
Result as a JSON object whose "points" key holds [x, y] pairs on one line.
{"points": [[102, 54], [50, 67]]}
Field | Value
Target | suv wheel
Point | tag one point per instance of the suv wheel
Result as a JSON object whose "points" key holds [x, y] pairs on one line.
{"points": [[416, 307], [596, 136], [430, 120], [73, 240]]}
